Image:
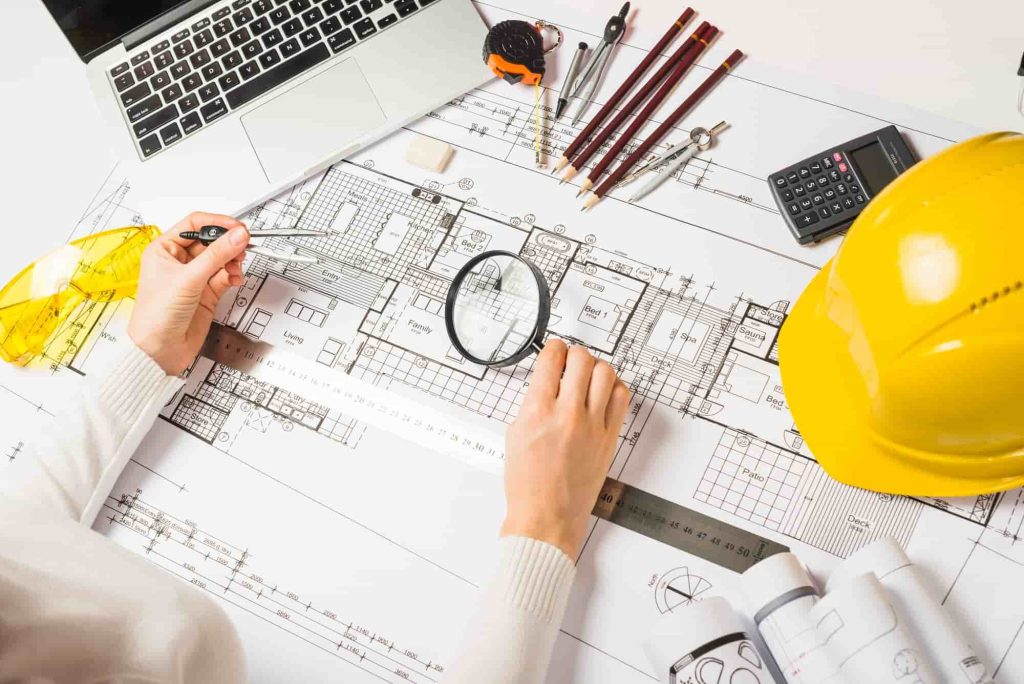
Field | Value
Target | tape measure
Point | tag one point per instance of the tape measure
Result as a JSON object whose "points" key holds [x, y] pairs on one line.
{"points": [[514, 50], [634, 509]]}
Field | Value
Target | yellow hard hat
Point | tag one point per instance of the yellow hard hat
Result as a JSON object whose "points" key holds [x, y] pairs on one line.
{"points": [[903, 361]]}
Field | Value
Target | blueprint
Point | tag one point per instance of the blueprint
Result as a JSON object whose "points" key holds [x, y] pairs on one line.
{"points": [[344, 552]]}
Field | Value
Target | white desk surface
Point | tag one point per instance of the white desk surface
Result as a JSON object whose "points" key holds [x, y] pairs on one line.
{"points": [[938, 55]]}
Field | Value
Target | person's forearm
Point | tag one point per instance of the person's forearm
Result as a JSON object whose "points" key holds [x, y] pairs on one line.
{"points": [[74, 459], [511, 636]]}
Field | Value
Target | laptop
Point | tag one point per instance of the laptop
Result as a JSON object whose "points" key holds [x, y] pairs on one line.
{"points": [[219, 104]]}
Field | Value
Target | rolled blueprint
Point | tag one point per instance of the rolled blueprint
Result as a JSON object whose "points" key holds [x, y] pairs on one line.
{"points": [[705, 643], [866, 638], [938, 636], [779, 594]]}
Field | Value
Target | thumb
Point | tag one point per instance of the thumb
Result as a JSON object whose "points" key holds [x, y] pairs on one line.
{"points": [[216, 256]]}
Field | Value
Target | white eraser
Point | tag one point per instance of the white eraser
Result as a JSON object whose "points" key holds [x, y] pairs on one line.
{"points": [[429, 154]]}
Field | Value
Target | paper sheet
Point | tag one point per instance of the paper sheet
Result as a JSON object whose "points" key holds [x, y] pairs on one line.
{"points": [[347, 553]]}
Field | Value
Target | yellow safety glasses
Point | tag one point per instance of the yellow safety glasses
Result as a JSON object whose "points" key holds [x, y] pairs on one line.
{"points": [[41, 301]]}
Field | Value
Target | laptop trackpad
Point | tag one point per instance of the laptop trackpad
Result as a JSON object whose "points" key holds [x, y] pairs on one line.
{"points": [[318, 118]]}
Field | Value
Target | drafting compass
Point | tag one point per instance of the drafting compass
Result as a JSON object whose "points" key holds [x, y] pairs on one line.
{"points": [[672, 159], [591, 74], [208, 234]]}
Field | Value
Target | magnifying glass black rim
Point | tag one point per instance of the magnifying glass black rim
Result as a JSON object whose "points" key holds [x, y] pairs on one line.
{"points": [[543, 309]]}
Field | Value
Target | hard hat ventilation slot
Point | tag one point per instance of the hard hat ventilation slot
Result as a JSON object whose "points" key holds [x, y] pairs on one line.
{"points": [[995, 296]]}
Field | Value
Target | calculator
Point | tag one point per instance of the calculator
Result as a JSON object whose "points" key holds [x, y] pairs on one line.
{"points": [[822, 195]]}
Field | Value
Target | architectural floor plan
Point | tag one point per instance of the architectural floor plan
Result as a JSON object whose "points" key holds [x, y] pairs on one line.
{"points": [[344, 553]]}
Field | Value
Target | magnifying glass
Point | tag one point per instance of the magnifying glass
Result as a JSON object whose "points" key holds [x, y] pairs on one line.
{"points": [[498, 309]]}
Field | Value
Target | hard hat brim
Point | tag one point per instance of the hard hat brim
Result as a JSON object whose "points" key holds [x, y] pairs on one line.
{"points": [[829, 406]]}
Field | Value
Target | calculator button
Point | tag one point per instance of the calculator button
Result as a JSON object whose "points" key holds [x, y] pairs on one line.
{"points": [[818, 199], [792, 177], [804, 172], [827, 163], [848, 178], [843, 168], [848, 203], [822, 181], [780, 182], [836, 207], [787, 195], [815, 168], [841, 188], [794, 209], [799, 191], [834, 176], [854, 189], [810, 186], [807, 219], [860, 199], [830, 194], [836, 156], [805, 204], [824, 213]]}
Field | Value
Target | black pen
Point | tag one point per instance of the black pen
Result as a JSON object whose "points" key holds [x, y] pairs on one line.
{"points": [[570, 77]]}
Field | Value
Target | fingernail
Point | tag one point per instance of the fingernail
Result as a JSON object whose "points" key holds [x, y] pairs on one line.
{"points": [[238, 236]]}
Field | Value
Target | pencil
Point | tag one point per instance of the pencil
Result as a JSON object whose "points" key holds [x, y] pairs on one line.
{"points": [[677, 67], [624, 89], [663, 129]]}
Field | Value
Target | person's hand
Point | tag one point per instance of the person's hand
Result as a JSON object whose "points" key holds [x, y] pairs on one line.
{"points": [[179, 287], [560, 446]]}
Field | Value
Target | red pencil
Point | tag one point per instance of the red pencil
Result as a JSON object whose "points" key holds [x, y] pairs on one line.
{"points": [[624, 89], [583, 157], [663, 129], [693, 50]]}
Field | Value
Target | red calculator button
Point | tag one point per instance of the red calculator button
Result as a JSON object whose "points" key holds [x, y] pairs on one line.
{"points": [[838, 157], [842, 167]]}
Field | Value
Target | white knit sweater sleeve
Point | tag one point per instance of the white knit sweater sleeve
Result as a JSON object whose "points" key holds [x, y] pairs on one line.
{"points": [[510, 638], [72, 463]]}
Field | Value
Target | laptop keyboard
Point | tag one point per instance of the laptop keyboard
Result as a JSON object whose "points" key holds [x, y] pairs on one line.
{"points": [[233, 55]]}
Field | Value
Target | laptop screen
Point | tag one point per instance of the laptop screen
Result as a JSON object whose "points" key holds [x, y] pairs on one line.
{"points": [[92, 24]]}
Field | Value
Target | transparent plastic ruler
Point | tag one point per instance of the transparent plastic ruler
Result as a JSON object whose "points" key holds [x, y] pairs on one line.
{"points": [[660, 519]]}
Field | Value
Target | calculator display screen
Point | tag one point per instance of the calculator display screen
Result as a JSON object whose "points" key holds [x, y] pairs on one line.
{"points": [[873, 167], [91, 24]]}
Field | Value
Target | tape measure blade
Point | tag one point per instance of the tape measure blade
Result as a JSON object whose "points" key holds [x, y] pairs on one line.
{"points": [[687, 530]]}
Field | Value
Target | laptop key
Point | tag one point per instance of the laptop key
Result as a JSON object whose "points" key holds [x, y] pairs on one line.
{"points": [[160, 80], [269, 59], [162, 46], [279, 15], [170, 134], [191, 122], [371, 5], [331, 26], [273, 38], [261, 7], [309, 37], [232, 60], [289, 48], [124, 81], [341, 41], [292, 27], [119, 69], [351, 15], [406, 7], [201, 24], [313, 16], [211, 71], [229, 81], [260, 26], [155, 121], [220, 48], [188, 103], [203, 38], [332, 6], [180, 69], [208, 92], [299, 5], [238, 4], [243, 17], [240, 37], [182, 50], [133, 95], [390, 19], [144, 71], [365, 28], [251, 49], [171, 93], [214, 110], [140, 58], [149, 145], [201, 58], [221, 13], [249, 70], [163, 60], [280, 74], [191, 82], [223, 28]]}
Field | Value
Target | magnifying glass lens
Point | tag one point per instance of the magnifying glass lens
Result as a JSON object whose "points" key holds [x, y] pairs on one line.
{"points": [[497, 308]]}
